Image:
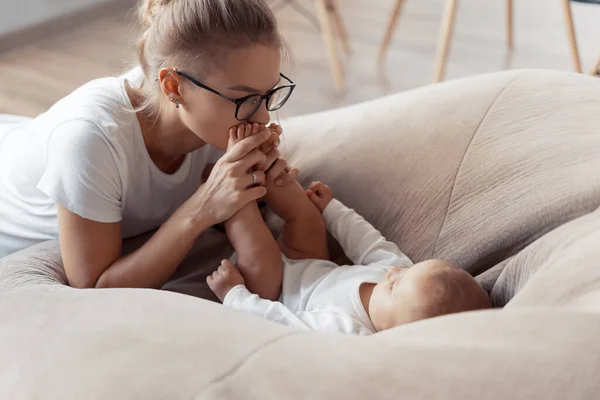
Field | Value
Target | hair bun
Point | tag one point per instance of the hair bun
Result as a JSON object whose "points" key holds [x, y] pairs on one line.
{"points": [[150, 10]]}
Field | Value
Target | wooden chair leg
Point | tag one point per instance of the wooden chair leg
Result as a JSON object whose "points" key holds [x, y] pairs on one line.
{"points": [[391, 27], [445, 38], [509, 24], [334, 10], [568, 16], [596, 69], [329, 40]]}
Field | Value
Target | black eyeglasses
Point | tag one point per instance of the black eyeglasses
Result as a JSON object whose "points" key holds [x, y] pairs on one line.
{"points": [[248, 105]]}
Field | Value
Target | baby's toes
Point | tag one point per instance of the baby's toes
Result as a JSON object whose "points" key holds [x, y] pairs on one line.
{"points": [[233, 140], [241, 132]]}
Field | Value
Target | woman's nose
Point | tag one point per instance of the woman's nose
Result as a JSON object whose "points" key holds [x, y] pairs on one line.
{"points": [[261, 116]]}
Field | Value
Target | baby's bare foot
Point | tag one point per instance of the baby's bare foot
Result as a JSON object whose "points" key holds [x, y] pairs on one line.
{"points": [[240, 132]]}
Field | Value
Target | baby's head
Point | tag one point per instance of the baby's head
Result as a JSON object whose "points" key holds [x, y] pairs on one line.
{"points": [[425, 290]]}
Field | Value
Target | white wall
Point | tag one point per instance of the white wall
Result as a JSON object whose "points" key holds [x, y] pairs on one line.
{"points": [[19, 14]]}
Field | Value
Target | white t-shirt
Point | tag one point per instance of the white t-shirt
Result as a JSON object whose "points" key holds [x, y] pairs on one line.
{"points": [[87, 153], [320, 295]]}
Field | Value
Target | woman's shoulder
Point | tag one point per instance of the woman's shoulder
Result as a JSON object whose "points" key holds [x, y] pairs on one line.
{"points": [[101, 103], [100, 98]]}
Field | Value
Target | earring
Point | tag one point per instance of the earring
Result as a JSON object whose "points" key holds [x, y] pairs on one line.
{"points": [[176, 104]]}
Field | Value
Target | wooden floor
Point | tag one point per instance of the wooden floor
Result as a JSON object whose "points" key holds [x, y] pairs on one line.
{"points": [[34, 77]]}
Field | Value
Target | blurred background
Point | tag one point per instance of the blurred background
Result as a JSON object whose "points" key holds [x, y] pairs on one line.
{"points": [[50, 47]]}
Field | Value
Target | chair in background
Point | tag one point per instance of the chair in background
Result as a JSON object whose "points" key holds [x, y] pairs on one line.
{"points": [[596, 69], [332, 28], [447, 29]]}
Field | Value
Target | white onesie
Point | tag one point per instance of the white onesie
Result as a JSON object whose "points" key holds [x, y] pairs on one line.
{"points": [[320, 295]]}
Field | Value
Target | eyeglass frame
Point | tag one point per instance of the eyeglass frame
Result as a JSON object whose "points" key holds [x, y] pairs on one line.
{"points": [[238, 102]]}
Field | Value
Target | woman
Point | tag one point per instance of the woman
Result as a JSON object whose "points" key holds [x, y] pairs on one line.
{"points": [[122, 156]]}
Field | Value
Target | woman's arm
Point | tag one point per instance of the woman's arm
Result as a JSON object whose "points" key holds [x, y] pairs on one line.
{"points": [[92, 250], [88, 247]]}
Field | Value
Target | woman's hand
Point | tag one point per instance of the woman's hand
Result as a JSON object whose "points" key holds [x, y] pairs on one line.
{"points": [[231, 184], [281, 174], [285, 175]]}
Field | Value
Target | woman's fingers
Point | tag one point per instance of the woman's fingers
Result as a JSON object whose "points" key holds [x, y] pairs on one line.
{"points": [[272, 156], [254, 178], [287, 178], [253, 194], [241, 149], [254, 158], [277, 169]]}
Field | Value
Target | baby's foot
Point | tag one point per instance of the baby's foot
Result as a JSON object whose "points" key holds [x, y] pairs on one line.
{"points": [[242, 131], [273, 141], [225, 278]]}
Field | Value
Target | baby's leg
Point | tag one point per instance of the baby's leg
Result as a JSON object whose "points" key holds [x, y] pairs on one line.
{"points": [[304, 234], [259, 256]]}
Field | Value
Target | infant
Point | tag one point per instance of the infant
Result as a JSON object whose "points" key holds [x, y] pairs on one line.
{"points": [[382, 290]]}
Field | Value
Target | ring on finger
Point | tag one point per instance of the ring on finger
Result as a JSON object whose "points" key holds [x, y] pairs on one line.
{"points": [[254, 178]]}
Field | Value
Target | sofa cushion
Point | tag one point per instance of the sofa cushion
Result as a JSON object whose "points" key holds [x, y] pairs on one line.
{"points": [[470, 171], [422, 167], [561, 269]]}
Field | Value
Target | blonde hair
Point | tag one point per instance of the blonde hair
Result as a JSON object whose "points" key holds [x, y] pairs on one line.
{"points": [[193, 35]]}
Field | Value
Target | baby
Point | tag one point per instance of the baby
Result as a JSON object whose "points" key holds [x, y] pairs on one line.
{"points": [[381, 291]]}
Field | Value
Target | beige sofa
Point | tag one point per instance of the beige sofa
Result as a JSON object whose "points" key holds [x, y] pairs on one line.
{"points": [[498, 173]]}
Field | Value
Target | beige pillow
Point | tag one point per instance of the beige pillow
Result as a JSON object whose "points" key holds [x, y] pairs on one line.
{"points": [[562, 268], [470, 171]]}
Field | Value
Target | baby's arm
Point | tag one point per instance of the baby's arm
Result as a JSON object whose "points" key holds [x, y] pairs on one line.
{"points": [[304, 235], [259, 257], [228, 284], [361, 242]]}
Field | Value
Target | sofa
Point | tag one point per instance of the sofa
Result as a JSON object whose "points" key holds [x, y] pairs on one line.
{"points": [[498, 174]]}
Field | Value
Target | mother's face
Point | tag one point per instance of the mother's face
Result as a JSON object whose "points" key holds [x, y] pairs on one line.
{"points": [[252, 70]]}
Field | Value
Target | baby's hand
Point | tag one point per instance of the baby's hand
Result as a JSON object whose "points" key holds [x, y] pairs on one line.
{"points": [[320, 194], [225, 278]]}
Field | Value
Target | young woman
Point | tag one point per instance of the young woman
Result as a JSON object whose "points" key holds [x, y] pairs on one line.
{"points": [[122, 156]]}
